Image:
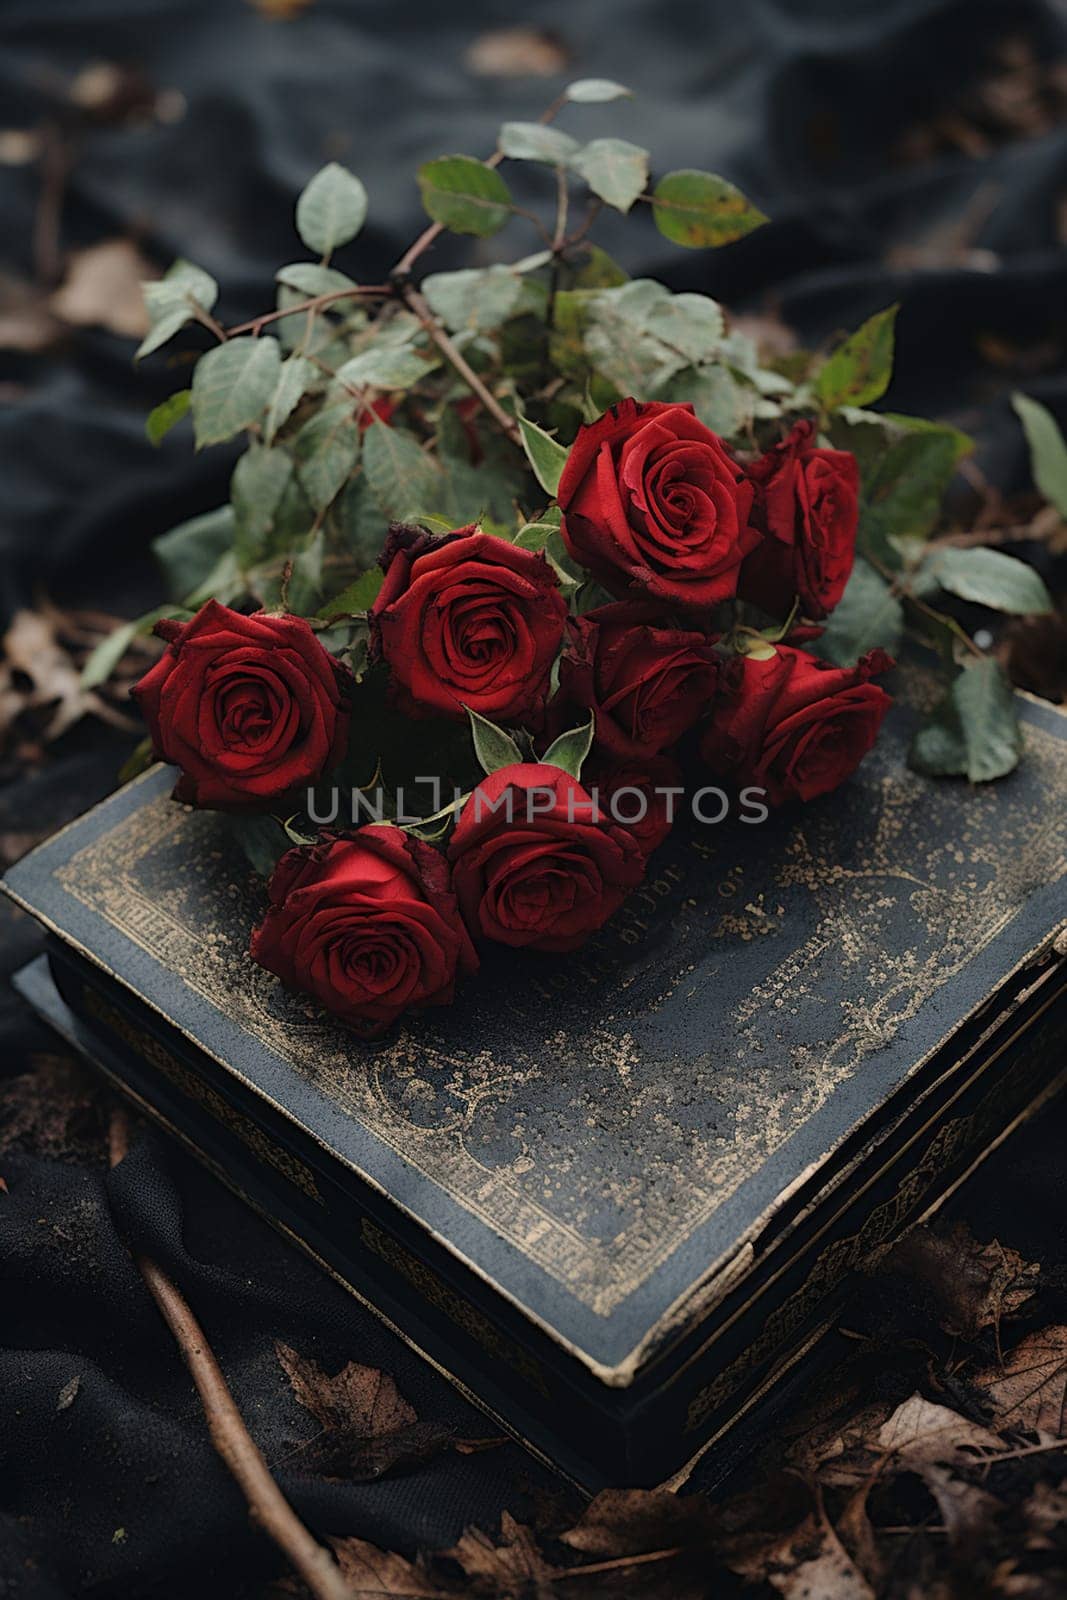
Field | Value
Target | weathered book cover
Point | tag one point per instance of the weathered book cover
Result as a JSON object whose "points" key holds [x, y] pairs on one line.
{"points": [[614, 1193]]}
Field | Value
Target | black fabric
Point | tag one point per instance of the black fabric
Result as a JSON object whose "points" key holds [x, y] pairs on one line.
{"points": [[819, 110]]}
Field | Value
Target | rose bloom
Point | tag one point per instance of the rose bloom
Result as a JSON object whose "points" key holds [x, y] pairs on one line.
{"points": [[249, 708], [641, 777], [792, 724], [646, 684], [654, 504], [464, 619], [367, 925], [807, 507], [535, 863]]}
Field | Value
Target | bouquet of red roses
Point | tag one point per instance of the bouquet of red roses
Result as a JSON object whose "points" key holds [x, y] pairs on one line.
{"points": [[519, 537]]}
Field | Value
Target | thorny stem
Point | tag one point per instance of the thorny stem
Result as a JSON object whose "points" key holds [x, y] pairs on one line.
{"points": [[417, 303], [370, 291], [231, 1438]]}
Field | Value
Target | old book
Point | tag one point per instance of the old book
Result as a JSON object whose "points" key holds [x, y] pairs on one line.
{"points": [[616, 1195]]}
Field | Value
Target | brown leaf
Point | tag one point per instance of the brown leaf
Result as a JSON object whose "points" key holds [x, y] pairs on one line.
{"points": [[809, 1563], [519, 52], [622, 1522], [1046, 1515], [920, 1433], [974, 1285], [372, 1573], [368, 1427], [515, 1567], [26, 323], [1029, 1391], [40, 677], [69, 1393], [102, 288]]}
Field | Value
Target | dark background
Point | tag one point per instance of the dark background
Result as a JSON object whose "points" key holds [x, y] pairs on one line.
{"points": [[911, 150]]}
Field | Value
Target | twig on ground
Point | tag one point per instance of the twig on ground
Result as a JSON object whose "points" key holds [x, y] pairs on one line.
{"points": [[231, 1438]]}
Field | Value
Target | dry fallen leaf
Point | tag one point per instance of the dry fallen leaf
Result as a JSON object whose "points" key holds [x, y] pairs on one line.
{"points": [[69, 1393], [1029, 1392], [102, 288], [519, 52], [809, 1563], [382, 1573], [40, 679], [515, 1567], [974, 1285], [368, 1427]]}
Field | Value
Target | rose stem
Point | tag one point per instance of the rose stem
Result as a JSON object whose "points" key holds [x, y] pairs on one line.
{"points": [[418, 304], [231, 1438]]}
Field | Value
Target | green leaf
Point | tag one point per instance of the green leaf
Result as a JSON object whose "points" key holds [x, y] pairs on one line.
{"points": [[477, 299], [138, 761], [614, 169], [534, 141], [990, 578], [387, 366], [402, 477], [357, 598], [868, 614], [296, 376], [570, 749], [259, 481], [465, 195], [311, 278], [331, 210], [171, 302], [690, 324], [304, 594], [714, 394], [598, 270], [860, 369], [162, 418], [493, 747], [617, 339], [974, 732], [594, 91], [901, 497], [263, 840], [698, 209], [232, 385], [326, 450], [191, 551], [106, 656], [545, 456], [1048, 450]]}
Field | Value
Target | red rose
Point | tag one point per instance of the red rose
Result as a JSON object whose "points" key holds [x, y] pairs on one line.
{"points": [[654, 503], [634, 795], [535, 863], [807, 507], [646, 684], [248, 707], [367, 925], [794, 725], [464, 619]]}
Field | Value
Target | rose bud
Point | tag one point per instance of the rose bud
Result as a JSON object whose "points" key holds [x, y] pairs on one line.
{"points": [[654, 504], [464, 619], [634, 794], [535, 863], [368, 926], [250, 708], [807, 508], [646, 684], [792, 724]]}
